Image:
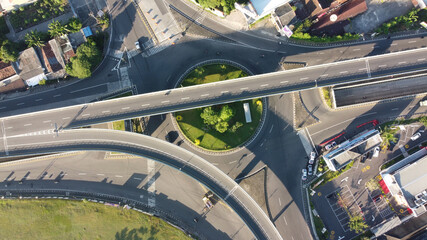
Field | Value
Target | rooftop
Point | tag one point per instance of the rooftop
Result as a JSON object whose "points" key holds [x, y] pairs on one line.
{"points": [[6, 70], [28, 64], [264, 7]]}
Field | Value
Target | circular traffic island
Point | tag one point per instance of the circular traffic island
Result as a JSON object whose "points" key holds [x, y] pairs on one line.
{"points": [[221, 127]]}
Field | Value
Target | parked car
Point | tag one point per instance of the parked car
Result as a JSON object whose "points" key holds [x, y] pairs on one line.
{"points": [[137, 45], [416, 136], [376, 152], [312, 157], [310, 169], [330, 145], [304, 174], [377, 198]]}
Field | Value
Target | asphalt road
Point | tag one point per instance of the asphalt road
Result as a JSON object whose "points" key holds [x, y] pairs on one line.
{"points": [[171, 192], [109, 140]]}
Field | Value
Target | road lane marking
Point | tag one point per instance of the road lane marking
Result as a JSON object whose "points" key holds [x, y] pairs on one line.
{"points": [[166, 101], [271, 129], [20, 104], [264, 85], [394, 109], [185, 98], [144, 105], [65, 118], [232, 162], [413, 41], [57, 95], [222, 92], [244, 88], [351, 119], [204, 95], [2, 107], [83, 89], [394, 44], [304, 78], [284, 218], [107, 111], [86, 114], [47, 121], [28, 124], [384, 65], [401, 62], [368, 68], [38, 100], [119, 176], [231, 192], [100, 174], [284, 81], [344, 72], [357, 49], [324, 75], [124, 108], [81, 174], [137, 178], [280, 202], [421, 59], [362, 69], [9, 127]]}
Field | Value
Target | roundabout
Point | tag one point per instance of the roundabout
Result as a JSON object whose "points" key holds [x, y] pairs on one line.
{"points": [[223, 127]]}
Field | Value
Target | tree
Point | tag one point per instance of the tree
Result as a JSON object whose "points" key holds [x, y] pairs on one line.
{"points": [[87, 57], [56, 29], [209, 116], [221, 127], [34, 39], [74, 25], [388, 136], [372, 185], [423, 120], [226, 113], [357, 224], [79, 67], [8, 52]]}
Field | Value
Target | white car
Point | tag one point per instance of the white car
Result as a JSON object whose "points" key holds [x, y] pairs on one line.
{"points": [[312, 157], [416, 136], [137, 45], [310, 169], [330, 145], [304, 174], [376, 152]]}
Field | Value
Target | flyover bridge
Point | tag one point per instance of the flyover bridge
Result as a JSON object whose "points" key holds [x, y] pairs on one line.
{"points": [[350, 71]]}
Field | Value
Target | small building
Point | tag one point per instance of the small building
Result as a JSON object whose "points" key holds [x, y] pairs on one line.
{"points": [[351, 149], [9, 5], [247, 110], [66, 48], [29, 67], [256, 9], [76, 38], [9, 80], [53, 60], [282, 17]]}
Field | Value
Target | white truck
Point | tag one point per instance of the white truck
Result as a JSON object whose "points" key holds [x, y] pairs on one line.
{"points": [[423, 103]]}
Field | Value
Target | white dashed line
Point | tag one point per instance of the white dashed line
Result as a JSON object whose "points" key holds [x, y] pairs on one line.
{"points": [[401, 62], [2, 107], [245, 88], [421, 59], [394, 44], [382, 65], [264, 85], [82, 174], [57, 95], [38, 100], [28, 124], [107, 111], [362, 69], [344, 72], [20, 104], [144, 105], [47, 121], [124, 108], [100, 174], [65, 118], [324, 75], [118, 176], [283, 81], [413, 41], [304, 78], [137, 178], [86, 114], [222, 92], [9, 127], [185, 98], [166, 101], [357, 49], [280, 202], [284, 218], [232, 162], [204, 95], [394, 109]]}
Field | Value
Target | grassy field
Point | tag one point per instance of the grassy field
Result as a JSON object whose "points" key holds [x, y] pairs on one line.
{"points": [[62, 219], [192, 125], [119, 125]]}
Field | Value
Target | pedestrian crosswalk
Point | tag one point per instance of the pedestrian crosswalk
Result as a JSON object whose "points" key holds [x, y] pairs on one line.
{"points": [[151, 51]]}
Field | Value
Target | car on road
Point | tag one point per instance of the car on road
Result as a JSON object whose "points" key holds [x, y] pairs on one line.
{"points": [[304, 174], [310, 169], [312, 157], [416, 136], [330, 145], [138, 47], [376, 151]]}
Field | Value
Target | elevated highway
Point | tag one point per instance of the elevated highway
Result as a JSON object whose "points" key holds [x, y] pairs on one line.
{"points": [[140, 145], [351, 71]]}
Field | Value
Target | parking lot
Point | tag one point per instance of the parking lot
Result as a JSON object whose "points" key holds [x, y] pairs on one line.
{"points": [[343, 203]]}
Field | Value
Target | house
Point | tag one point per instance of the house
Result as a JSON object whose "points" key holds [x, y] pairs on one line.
{"points": [[29, 67], [331, 20], [9, 5], [9, 81], [351, 149], [66, 48], [257, 9], [77, 38], [53, 60], [406, 182], [282, 17]]}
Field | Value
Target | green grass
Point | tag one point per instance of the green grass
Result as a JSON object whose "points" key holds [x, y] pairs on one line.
{"points": [[119, 125], [66, 219], [329, 176], [319, 226], [327, 95], [192, 125]]}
